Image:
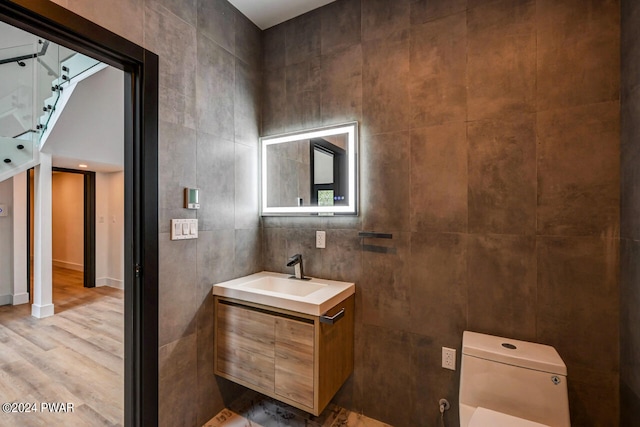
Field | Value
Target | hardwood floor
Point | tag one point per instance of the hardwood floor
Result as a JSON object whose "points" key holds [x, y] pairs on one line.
{"points": [[74, 357]]}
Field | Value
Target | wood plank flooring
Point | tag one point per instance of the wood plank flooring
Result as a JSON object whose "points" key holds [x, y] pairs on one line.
{"points": [[75, 356]]}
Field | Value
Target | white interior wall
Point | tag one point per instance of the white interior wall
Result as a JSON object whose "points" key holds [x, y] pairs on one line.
{"points": [[6, 243], [68, 220], [19, 214], [110, 229]]}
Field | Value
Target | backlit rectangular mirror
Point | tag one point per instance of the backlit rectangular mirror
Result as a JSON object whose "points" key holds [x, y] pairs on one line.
{"points": [[311, 172]]}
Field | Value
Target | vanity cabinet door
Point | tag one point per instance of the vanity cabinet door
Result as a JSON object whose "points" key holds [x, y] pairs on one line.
{"points": [[294, 360], [245, 345]]}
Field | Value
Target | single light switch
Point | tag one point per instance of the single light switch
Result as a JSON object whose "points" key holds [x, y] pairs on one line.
{"points": [[193, 228], [185, 228]]}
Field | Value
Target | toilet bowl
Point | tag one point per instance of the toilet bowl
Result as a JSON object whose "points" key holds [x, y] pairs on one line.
{"points": [[505, 382]]}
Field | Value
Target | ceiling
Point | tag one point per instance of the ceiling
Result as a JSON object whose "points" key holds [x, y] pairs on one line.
{"points": [[267, 13]]}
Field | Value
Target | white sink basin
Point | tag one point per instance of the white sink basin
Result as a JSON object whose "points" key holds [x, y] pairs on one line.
{"points": [[314, 297], [288, 286]]}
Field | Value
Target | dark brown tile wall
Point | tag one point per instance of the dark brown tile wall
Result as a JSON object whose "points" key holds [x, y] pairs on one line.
{"points": [[210, 85], [503, 114], [490, 149], [630, 215]]}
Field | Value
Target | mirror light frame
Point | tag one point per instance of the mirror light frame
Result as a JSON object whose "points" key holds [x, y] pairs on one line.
{"points": [[351, 130]]}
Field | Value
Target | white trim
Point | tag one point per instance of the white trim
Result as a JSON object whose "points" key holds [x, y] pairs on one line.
{"points": [[69, 265], [6, 299], [20, 299], [111, 282], [41, 311]]}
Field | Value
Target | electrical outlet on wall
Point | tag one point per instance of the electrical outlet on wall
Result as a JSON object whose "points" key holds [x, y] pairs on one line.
{"points": [[449, 358], [321, 239]]}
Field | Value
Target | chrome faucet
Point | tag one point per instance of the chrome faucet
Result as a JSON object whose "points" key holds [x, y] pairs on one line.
{"points": [[298, 271]]}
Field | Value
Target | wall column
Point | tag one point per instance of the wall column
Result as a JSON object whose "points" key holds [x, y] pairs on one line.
{"points": [[20, 282], [42, 231]]}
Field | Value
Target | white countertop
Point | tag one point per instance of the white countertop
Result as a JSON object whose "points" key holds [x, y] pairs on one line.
{"points": [[322, 294]]}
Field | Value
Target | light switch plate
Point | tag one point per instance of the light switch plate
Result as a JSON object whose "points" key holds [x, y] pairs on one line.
{"points": [[182, 229]]}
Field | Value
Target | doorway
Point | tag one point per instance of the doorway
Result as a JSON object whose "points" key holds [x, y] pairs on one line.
{"points": [[52, 22], [74, 246]]}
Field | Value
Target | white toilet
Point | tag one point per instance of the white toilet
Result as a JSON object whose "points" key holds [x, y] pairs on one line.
{"points": [[510, 383]]}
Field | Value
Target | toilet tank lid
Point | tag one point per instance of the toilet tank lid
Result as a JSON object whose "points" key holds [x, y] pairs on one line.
{"points": [[525, 354]]}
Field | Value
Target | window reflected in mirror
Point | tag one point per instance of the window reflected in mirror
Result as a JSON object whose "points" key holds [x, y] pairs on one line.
{"points": [[310, 172]]}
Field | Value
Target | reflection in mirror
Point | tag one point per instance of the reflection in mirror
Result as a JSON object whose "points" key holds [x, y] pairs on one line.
{"points": [[310, 172]]}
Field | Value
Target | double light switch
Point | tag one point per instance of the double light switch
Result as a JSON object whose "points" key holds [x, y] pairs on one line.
{"points": [[184, 229]]}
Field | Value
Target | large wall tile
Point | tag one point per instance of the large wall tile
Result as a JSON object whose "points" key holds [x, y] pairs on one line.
{"points": [[216, 180], [578, 170], [215, 259], [187, 10], [176, 160], [629, 188], [273, 49], [385, 86], [342, 258], [248, 253], [630, 45], [430, 382], [274, 247], [215, 85], [578, 309], [110, 15], [385, 287], [246, 105], [438, 71], [429, 10], [302, 37], [629, 405], [438, 304], [177, 396], [340, 25], [502, 175], [217, 21], [594, 398], [439, 178], [177, 289], [246, 210], [578, 44], [382, 19], [274, 103], [303, 95], [248, 42], [501, 59], [177, 108], [501, 278], [629, 313], [174, 41], [384, 190], [342, 86], [386, 372]]}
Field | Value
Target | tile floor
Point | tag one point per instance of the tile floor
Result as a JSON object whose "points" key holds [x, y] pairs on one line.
{"points": [[255, 410]]}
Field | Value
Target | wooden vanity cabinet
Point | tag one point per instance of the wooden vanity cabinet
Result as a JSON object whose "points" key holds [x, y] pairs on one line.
{"points": [[290, 356]]}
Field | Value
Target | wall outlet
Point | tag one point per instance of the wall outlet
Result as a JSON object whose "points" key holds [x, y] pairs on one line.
{"points": [[321, 239], [449, 358]]}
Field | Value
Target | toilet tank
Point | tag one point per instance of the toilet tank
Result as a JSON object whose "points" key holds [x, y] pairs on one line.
{"points": [[517, 378]]}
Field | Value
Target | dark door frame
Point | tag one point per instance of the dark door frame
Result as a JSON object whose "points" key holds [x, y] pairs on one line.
{"points": [[52, 22], [89, 226]]}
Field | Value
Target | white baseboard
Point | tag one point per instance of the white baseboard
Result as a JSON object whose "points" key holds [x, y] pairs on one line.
{"points": [[22, 298], [6, 299], [41, 311], [69, 265], [108, 281]]}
